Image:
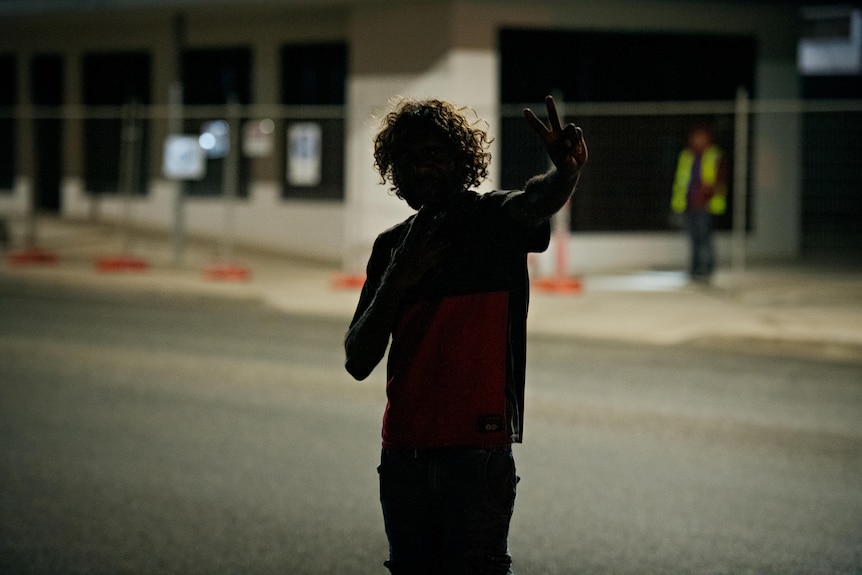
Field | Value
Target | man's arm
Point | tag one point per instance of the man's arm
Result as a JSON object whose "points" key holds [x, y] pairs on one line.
{"points": [[368, 335], [544, 195], [419, 253]]}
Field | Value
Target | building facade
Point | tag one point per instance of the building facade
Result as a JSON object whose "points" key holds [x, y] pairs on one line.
{"points": [[93, 94]]}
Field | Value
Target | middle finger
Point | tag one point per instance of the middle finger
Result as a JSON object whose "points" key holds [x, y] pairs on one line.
{"points": [[553, 118]]}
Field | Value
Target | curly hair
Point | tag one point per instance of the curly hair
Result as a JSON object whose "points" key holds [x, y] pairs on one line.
{"points": [[469, 142]]}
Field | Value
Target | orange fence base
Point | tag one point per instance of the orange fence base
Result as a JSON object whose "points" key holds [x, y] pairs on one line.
{"points": [[227, 272], [567, 285], [33, 257], [121, 264], [348, 281]]}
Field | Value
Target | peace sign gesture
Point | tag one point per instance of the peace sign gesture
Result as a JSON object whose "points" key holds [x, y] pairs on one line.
{"points": [[566, 146]]}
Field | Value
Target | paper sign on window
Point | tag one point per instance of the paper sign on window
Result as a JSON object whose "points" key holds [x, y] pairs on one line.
{"points": [[257, 138], [304, 154]]}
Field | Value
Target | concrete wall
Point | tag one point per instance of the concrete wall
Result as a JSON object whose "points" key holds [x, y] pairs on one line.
{"points": [[426, 66]]}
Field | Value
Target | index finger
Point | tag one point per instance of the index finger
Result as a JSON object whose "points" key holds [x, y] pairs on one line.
{"points": [[534, 121]]}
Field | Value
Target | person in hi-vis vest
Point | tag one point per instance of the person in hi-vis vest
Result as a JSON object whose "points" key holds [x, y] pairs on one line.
{"points": [[699, 193]]}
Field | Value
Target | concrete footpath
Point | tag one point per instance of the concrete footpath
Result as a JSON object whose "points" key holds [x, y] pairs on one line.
{"points": [[783, 309]]}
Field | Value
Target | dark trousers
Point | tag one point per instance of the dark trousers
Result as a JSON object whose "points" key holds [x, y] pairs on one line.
{"points": [[702, 259], [447, 510]]}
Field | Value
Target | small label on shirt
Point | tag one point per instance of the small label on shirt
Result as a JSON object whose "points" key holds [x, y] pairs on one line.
{"points": [[490, 423]]}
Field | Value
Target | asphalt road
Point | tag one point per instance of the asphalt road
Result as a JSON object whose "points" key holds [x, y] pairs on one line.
{"points": [[148, 433]]}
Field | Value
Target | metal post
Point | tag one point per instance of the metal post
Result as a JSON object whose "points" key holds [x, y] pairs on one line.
{"points": [[230, 177], [175, 126], [27, 136], [128, 170], [227, 270], [740, 181], [562, 281], [562, 218]]}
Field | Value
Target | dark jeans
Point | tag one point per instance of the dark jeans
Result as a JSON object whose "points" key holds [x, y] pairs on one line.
{"points": [[702, 262], [447, 510]]}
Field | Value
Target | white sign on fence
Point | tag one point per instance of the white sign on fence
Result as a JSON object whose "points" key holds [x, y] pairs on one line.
{"points": [[184, 158]]}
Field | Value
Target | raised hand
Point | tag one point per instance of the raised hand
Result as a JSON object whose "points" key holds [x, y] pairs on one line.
{"points": [[421, 252], [566, 146]]}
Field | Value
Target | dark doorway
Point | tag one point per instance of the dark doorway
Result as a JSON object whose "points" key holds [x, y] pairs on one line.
{"points": [[8, 100], [115, 80], [831, 179], [47, 84], [632, 155]]}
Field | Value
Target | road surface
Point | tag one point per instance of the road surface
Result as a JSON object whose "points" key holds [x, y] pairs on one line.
{"points": [[158, 433]]}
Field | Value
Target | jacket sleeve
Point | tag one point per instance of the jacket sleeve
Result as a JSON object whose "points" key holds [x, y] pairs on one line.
{"points": [[543, 196], [368, 335]]}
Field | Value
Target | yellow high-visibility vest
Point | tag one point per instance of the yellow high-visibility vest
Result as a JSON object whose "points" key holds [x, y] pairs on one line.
{"points": [[709, 165]]}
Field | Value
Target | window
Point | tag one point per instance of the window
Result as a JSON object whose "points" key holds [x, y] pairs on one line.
{"points": [[313, 79], [8, 100], [214, 77], [46, 85], [831, 178], [113, 80]]}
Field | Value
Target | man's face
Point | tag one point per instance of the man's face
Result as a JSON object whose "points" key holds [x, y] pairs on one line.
{"points": [[700, 140], [425, 170]]}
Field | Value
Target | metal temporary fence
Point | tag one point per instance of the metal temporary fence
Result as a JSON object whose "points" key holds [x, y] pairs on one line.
{"points": [[634, 147], [120, 156]]}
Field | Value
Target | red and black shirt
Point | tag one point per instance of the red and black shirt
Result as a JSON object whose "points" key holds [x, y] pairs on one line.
{"points": [[456, 365]]}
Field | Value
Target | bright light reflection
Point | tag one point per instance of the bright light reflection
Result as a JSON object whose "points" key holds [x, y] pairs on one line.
{"points": [[267, 126], [207, 141], [647, 281]]}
